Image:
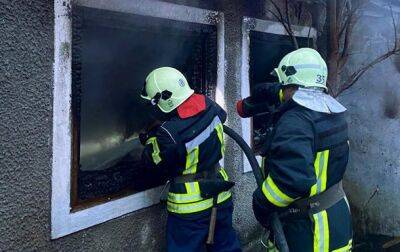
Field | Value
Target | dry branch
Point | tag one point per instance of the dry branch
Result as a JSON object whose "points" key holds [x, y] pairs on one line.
{"points": [[346, 44], [333, 45], [358, 73], [349, 14], [299, 11], [285, 21], [347, 30], [308, 35]]}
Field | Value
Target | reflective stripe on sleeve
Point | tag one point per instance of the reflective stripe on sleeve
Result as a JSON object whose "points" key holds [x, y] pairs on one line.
{"points": [[274, 194], [223, 173], [156, 150]]}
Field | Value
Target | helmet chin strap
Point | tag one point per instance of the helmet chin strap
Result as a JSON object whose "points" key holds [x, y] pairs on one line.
{"points": [[154, 101]]}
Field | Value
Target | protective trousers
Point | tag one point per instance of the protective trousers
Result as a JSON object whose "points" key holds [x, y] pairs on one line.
{"points": [[191, 234]]}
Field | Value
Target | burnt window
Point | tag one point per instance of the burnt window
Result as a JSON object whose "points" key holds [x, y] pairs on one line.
{"points": [[266, 51], [112, 53]]}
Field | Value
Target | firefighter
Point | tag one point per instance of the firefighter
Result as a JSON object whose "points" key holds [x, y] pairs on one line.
{"points": [[189, 145], [305, 157]]}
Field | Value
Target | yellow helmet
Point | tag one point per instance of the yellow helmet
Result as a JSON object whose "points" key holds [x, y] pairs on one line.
{"points": [[303, 67], [167, 88]]}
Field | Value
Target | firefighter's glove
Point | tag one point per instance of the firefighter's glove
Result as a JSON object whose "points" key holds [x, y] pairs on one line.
{"points": [[261, 208], [248, 107], [212, 187], [240, 109]]}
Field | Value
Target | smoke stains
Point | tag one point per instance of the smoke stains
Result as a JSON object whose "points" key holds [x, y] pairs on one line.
{"points": [[391, 104], [69, 9], [214, 18], [112, 53]]}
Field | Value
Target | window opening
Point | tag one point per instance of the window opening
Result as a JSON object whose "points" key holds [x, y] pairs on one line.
{"points": [[111, 55]]}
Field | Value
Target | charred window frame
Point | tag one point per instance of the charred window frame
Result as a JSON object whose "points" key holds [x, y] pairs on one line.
{"points": [[70, 214], [263, 34], [189, 47]]}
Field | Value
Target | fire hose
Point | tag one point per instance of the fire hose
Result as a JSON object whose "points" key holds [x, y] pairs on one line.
{"points": [[276, 225]]}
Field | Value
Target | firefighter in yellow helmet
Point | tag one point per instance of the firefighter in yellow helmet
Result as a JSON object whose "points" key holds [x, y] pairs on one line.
{"points": [[189, 146], [305, 156]]}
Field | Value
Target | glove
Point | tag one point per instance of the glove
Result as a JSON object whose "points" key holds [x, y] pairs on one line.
{"points": [[248, 108], [239, 108], [143, 136], [261, 208], [266, 92]]}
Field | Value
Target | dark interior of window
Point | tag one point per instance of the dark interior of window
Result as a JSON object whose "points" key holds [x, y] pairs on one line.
{"points": [[266, 51], [112, 53]]}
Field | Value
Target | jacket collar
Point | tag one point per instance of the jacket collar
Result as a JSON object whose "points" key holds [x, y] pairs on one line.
{"points": [[194, 105]]}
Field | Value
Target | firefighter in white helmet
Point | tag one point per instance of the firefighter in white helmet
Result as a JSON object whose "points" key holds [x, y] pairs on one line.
{"points": [[305, 156], [189, 146]]}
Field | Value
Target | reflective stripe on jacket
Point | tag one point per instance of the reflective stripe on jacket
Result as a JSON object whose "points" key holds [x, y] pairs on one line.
{"points": [[308, 153], [189, 146]]}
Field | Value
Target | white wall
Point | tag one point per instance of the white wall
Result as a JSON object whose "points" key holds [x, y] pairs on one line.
{"points": [[374, 127]]}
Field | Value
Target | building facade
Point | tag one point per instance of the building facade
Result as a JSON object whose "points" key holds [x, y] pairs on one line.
{"points": [[63, 180]]}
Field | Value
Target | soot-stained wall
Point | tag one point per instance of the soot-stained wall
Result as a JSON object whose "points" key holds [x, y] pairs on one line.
{"points": [[26, 63], [373, 104]]}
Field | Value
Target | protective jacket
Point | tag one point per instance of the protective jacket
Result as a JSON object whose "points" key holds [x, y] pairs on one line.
{"points": [[307, 154], [191, 144]]}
